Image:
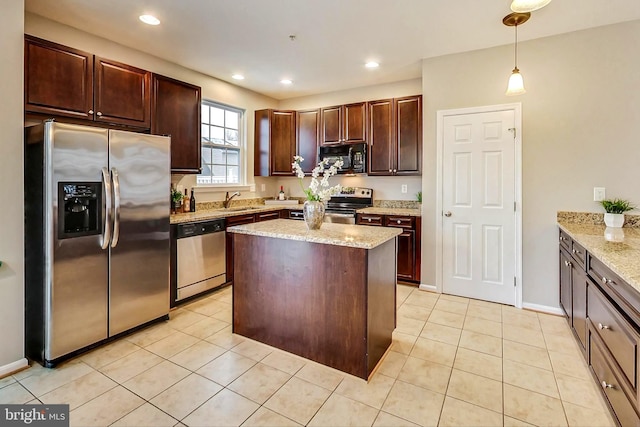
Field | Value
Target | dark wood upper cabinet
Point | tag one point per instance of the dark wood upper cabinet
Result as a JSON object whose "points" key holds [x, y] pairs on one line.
{"points": [[381, 137], [355, 123], [275, 142], [58, 80], [395, 136], [308, 138], [408, 113], [175, 111], [122, 94], [61, 81], [344, 124]]}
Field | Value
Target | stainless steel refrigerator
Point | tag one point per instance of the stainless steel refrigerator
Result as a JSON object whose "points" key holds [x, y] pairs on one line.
{"points": [[96, 236]]}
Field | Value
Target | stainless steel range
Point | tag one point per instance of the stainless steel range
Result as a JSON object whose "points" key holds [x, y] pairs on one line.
{"points": [[342, 207]]}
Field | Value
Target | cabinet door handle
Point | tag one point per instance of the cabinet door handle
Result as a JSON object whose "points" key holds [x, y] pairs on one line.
{"points": [[390, 170], [99, 114], [561, 238], [395, 170], [90, 111], [601, 326], [605, 385], [575, 251], [567, 263], [607, 281]]}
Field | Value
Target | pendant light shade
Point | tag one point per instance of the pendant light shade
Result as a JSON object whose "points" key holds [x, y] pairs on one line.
{"points": [[516, 83], [523, 6]]}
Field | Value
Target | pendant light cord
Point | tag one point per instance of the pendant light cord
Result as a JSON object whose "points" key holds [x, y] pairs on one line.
{"points": [[516, 47]]}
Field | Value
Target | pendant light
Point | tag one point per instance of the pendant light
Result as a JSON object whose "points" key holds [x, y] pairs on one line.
{"points": [[516, 84], [523, 6]]}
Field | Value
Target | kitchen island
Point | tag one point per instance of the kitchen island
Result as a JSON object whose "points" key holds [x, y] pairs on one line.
{"points": [[326, 295]]}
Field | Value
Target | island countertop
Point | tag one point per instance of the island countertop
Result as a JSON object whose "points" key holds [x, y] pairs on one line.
{"points": [[355, 236], [621, 257]]}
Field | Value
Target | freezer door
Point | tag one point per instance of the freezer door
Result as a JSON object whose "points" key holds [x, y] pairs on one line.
{"points": [[76, 278], [139, 262]]}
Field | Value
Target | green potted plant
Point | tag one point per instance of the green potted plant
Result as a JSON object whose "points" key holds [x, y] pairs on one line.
{"points": [[615, 209], [176, 199]]}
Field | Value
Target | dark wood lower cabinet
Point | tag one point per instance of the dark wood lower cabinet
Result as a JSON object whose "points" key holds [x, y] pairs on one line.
{"points": [[331, 304], [231, 221], [409, 242], [602, 310]]}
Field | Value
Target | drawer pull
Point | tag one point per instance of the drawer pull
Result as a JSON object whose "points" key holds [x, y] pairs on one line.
{"points": [[399, 222], [369, 219], [601, 326], [567, 263], [605, 385], [607, 281], [562, 238], [575, 251]]}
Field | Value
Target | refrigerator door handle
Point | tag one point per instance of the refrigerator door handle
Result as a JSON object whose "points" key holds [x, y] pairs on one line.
{"points": [[116, 207], [106, 222]]}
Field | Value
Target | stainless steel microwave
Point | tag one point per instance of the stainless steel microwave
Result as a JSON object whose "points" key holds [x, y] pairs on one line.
{"points": [[354, 157]]}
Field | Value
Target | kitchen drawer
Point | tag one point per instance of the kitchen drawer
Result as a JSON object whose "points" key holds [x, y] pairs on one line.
{"points": [[617, 335], [578, 253], [265, 216], [610, 385], [565, 240], [240, 219], [400, 221], [369, 219], [626, 297]]}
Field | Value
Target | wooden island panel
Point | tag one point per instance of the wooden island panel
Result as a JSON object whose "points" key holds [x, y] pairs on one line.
{"points": [[331, 304]]}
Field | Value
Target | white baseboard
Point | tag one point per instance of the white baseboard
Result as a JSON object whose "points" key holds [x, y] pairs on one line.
{"points": [[425, 287], [543, 308], [13, 367]]}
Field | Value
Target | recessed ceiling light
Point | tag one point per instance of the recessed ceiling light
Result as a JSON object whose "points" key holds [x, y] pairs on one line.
{"points": [[237, 77], [286, 81], [150, 19], [372, 64]]}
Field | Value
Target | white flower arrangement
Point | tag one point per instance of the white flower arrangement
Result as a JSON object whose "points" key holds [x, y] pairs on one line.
{"points": [[318, 190]]}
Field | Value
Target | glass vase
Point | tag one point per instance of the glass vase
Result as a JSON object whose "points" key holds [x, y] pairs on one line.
{"points": [[313, 214]]}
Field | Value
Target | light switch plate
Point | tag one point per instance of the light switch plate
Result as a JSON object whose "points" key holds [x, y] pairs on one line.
{"points": [[404, 188], [599, 194]]}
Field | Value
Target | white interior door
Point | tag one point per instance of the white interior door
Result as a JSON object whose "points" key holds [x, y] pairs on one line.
{"points": [[478, 206]]}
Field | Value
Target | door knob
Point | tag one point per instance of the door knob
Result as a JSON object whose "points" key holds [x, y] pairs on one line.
{"points": [[447, 214]]}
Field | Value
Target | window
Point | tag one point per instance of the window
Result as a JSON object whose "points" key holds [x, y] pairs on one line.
{"points": [[222, 146]]}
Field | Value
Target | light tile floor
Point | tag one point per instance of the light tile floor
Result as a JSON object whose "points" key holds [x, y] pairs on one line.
{"points": [[453, 362]]}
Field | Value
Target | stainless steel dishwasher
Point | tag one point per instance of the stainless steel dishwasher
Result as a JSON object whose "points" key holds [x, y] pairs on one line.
{"points": [[201, 257]]}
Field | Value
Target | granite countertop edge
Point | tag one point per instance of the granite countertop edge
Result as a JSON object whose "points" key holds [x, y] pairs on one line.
{"points": [[206, 214], [621, 257], [355, 236]]}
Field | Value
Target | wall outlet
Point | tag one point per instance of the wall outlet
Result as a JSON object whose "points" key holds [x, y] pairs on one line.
{"points": [[263, 187], [403, 188], [599, 194]]}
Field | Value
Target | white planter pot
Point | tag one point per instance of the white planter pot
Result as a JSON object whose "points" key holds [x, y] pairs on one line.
{"points": [[614, 220]]}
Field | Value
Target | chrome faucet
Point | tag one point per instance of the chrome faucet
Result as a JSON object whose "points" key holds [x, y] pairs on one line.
{"points": [[228, 199]]}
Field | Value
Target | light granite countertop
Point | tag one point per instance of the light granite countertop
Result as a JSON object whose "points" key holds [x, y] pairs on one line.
{"points": [[356, 236], [623, 257], [206, 214], [390, 211]]}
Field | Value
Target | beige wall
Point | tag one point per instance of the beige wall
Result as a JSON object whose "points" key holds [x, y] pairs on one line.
{"points": [[212, 88], [388, 188], [11, 187], [581, 121]]}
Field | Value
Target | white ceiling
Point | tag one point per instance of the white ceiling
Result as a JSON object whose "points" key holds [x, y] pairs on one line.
{"points": [[334, 38]]}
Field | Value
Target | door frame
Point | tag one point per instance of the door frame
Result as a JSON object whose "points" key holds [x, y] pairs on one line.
{"points": [[441, 114]]}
